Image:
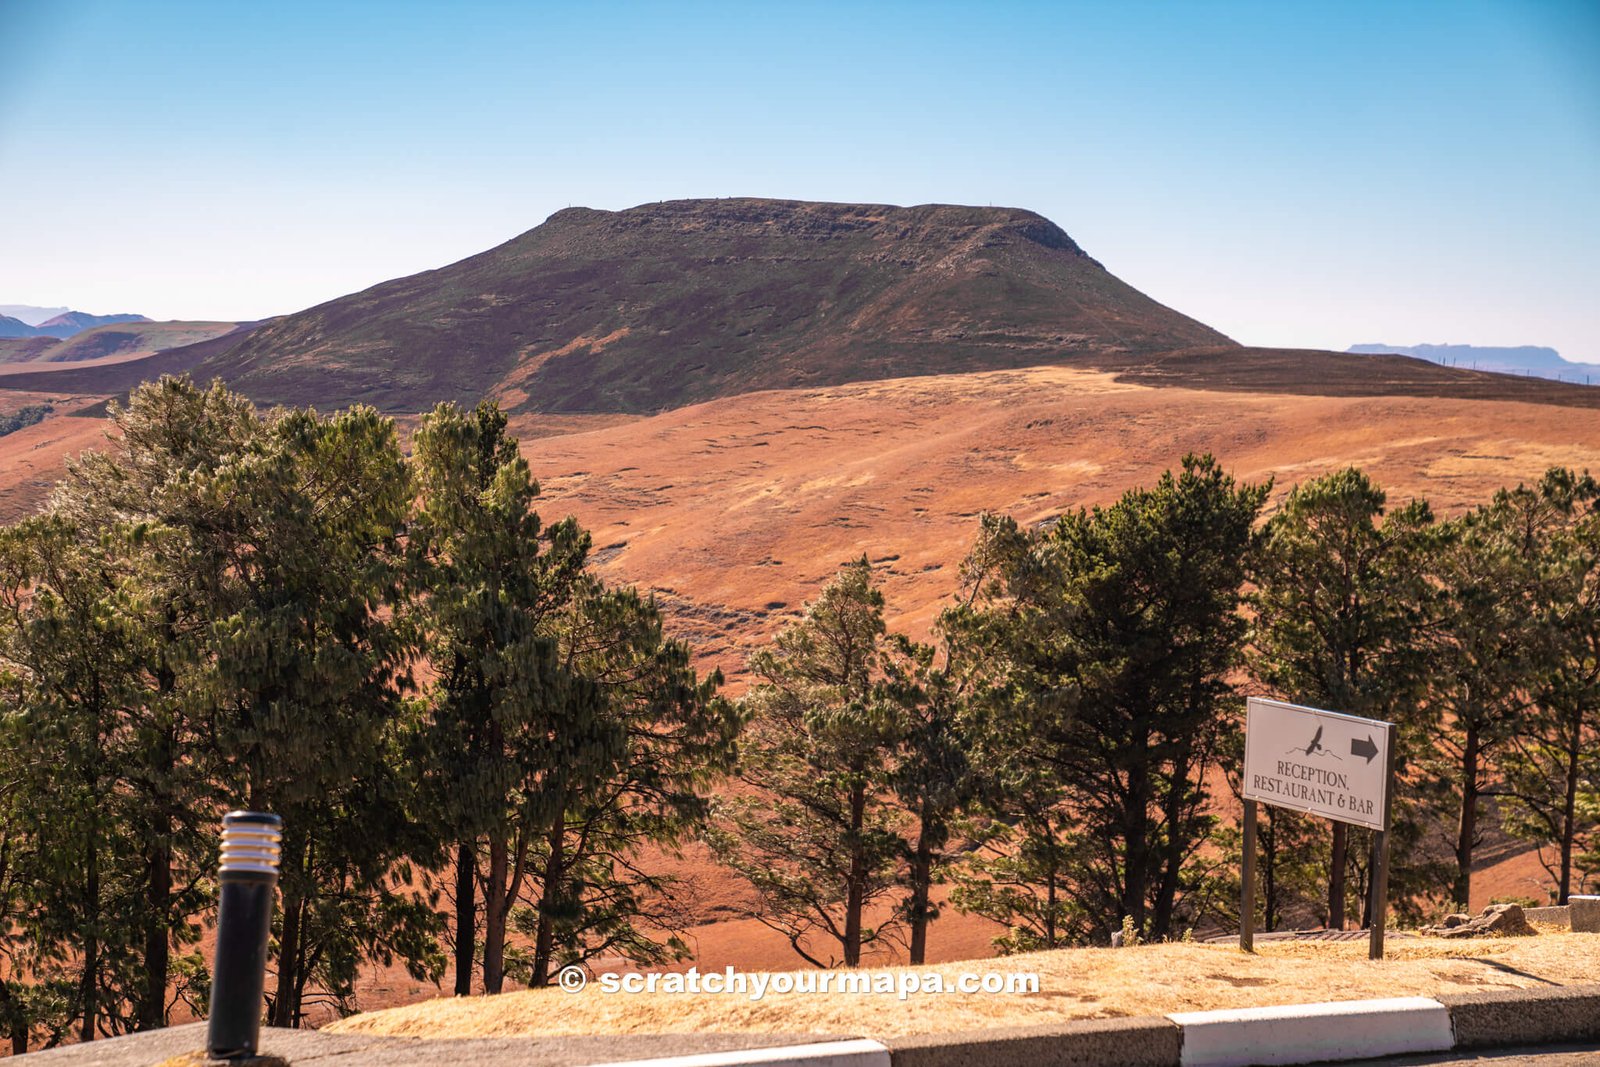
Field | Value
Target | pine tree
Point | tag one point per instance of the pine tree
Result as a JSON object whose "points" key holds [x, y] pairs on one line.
{"points": [[494, 582], [644, 737], [820, 838], [1553, 758], [1342, 604], [137, 498], [306, 675], [933, 776], [1020, 872], [1494, 645], [72, 653], [1152, 595], [1121, 625], [36, 991]]}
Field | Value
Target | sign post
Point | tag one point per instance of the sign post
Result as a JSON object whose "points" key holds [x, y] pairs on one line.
{"points": [[1379, 905], [1247, 902], [1323, 763]]}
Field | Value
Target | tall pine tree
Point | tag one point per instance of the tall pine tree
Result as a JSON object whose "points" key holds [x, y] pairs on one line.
{"points": [[820, 836], [1342, 605], [494, 584]]}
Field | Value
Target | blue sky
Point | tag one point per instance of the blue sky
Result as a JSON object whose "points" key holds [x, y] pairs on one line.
{"points": [[1293, 173]]}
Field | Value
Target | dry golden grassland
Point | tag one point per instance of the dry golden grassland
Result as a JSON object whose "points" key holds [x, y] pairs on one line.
{"points": [[1073, 984]]}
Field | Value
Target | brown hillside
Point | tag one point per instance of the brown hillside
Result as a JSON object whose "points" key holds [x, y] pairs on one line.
{"points": [[738, 510], [133, 339], [118, 373], [670, 304], [25, 349]]}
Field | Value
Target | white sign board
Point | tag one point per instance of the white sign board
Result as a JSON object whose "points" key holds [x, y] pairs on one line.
{"points": [[1321, 762]]}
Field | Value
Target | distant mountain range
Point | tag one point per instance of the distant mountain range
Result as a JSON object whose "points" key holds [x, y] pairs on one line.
{"points": [[31, 314], [63, 324], [114, 341], [1525, 359]]}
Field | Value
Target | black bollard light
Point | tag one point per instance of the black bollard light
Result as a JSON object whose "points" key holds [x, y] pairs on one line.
{"points": [[251, 844]]}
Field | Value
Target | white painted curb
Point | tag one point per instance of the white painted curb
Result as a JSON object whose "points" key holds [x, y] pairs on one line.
{"points": [[859, 1053], [1306, 1033]]}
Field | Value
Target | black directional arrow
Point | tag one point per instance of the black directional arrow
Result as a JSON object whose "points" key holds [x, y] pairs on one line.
{"points": [[1364, 747]]}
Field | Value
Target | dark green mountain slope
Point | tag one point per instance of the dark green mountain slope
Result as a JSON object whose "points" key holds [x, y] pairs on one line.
{"points": [[669, 304]]}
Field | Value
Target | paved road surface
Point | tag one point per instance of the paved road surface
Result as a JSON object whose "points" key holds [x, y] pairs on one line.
{"points": [[279, 1047], [361, 1050], [1548, 1056]]}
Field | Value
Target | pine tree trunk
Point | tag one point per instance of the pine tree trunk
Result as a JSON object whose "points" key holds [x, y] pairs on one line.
{"points": [[1569, 809], [89, 980], [544, 944], [1050, 897], [1467, 823], [15, 1020], [152, 1014], [494, 916], [282, 1013], [855, 891], [152, 1010], [551, 885], [302, 975], [466, 915], [1172, 860], [1336, 865], [921, 883], [1136, 860], [158, 879], [1051, 893], [285, 1011]]}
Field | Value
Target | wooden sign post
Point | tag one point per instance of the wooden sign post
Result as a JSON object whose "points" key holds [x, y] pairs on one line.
{"points": [[1323, 763]]}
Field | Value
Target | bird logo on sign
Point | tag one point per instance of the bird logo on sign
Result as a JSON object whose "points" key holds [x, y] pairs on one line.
{"points": [[1316, 747]]}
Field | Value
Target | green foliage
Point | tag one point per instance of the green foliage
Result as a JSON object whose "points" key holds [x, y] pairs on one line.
{"points": [[1343, 603], [1025, 880], [590, 896], [201, 620], [1552, 764], [502, 719], [934, 778], [73, 652], [1498, 640], [564, 733], [228, 609], [1341, 596], [1587, 808], [23, 417], [1118, 628], [820, 840]]}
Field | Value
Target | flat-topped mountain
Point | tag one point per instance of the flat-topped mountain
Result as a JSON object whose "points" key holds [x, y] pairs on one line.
{"points": [[672, 303], [675, 303]]}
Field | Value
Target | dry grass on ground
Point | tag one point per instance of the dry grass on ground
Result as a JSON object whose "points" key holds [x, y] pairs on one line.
{"points": [[1074, 984]]}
